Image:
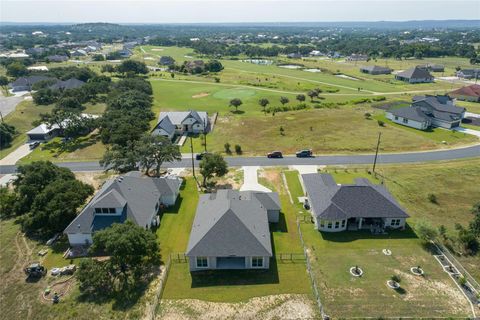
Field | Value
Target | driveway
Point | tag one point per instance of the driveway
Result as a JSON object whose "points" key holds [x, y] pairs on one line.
{"points": [[250, 180], [8, 104], [468, 131], [16, 155]]}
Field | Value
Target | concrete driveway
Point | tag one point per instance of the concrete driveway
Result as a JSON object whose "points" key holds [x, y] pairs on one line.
{"points": [[250, 180], [16, 155], [468, 131]]}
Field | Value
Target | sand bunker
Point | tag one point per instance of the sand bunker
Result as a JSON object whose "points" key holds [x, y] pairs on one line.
{"points": [[201, 95]]}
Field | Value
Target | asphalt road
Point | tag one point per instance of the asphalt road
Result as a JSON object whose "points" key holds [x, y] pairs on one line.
{"points": [[452, 154]]}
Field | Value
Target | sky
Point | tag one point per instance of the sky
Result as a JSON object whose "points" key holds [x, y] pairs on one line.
{"points": [[198, 11]]}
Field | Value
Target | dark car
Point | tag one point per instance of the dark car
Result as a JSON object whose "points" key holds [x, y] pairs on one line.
{"points": [[304, 153], [33, 145], [200, 156], [275, 154]]}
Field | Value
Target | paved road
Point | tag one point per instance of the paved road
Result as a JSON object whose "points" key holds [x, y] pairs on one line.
{"points": [[8, 104], [452, 154]]}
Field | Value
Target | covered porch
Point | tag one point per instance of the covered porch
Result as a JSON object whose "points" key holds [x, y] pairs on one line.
{"points": [[375, 225], [231, 263]]}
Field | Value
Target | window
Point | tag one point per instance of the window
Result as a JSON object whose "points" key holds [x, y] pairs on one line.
{"points": [[395, 222], [343, 223], [257, 262], [202, 262], [112, 210], [322, 223], [396, 118], [104, 210], [405, 120], [337, 224], [329, 226], [98, 210]]}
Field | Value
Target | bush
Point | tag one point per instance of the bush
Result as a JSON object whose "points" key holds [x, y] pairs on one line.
{"points": [[381, 123], [432, 198], [368, 115], [395, 278], [425, 231], [227, 148], [238, 149], [381, 98], [361, 100]]}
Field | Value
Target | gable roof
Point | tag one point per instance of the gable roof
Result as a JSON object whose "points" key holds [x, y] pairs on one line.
{"points": [[71, 83], [232, 223], [375, 69], [138, 196], [360, 200], [471, 91], [29, 81], [178, 117], [411, 113], [415, 73], [438, 107]]}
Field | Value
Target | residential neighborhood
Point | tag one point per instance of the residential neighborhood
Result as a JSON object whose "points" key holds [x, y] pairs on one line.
{"points": [[267, 160]]}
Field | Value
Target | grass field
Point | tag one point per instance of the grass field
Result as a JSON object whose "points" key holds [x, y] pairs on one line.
{"points": [[22, 300], [230, 286], [25, 113], [333, 255]]}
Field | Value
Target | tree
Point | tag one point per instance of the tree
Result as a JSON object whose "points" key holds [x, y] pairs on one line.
{"points": [[8, 199], [213, 66], [425, 231], [212, 165], [300, 97], [46, 96], [284, 100], [56, 206], [227, 148], [235, 103], [7, 133], [3, 81], [132, 66], [108, 68], [474, 225], [120, 158], [94, 278], [16, 69], [69, 103], [238, 149], [154, 151], [312, 94], [132, 251], [263, 103], [476, 208], [32, 179]]}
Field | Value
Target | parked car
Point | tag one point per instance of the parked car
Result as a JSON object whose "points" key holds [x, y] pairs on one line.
{"points": [[304, 153], [200, 156], [275, 154], [33, 145]]}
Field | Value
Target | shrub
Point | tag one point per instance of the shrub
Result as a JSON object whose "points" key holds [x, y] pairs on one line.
{"points": [[395, 278], [425, 231], [432, 198], [380, 98], [227, 148], [367, 115], [381, 123], [462, 280], [238, 149], [361, 100]]}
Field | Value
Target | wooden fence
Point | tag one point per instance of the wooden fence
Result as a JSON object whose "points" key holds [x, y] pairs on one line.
{"points": [[159, 293]]}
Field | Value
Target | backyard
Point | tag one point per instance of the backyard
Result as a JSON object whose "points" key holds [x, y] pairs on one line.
{"points": [[434, 295]]}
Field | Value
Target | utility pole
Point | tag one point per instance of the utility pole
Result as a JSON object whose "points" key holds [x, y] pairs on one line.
{"points": [[193, 161], [376, 152]]}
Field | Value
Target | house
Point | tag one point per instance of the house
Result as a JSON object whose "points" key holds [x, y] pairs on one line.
{"points": [[180, 122], [231, 230], [43, 132], [294, 56], [125, 53], [428, 111], [131, 197], [375, 70], [414, 75], [362, 205], [67, 84], [357, 57], [26, 83], [78, 53], [468, 74], [57, 58], [166, 61], [432, 67], [469, 93], [36, 51], [196, 66]]}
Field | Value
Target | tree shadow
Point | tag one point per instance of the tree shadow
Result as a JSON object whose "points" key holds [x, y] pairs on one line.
{"points": [[401, 291], [58, 147], [349, 236], [212, 278], [281, 225], [237, 111]]}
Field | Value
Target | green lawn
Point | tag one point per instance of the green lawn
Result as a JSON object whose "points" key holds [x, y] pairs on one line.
{"points": [[231, 286], [25, 113], [333, 254], [473, 107]]}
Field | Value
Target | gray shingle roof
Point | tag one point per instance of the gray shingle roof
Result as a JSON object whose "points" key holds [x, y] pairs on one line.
{"points": [[232, 223], [378, 69], [415, 73], [338, 202], [411, 113], [137, 195], [67, 84], [29, 81]]}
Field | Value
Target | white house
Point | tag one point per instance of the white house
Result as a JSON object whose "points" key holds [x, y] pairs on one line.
{"points": [[180, 122]]}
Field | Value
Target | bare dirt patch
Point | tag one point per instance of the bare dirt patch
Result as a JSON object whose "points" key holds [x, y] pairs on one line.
{"points": [[200, 95], [157, 49], [95, 179], [285, 306]]}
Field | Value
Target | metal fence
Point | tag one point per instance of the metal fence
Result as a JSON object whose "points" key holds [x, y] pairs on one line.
{"points": [[316, 292]]}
